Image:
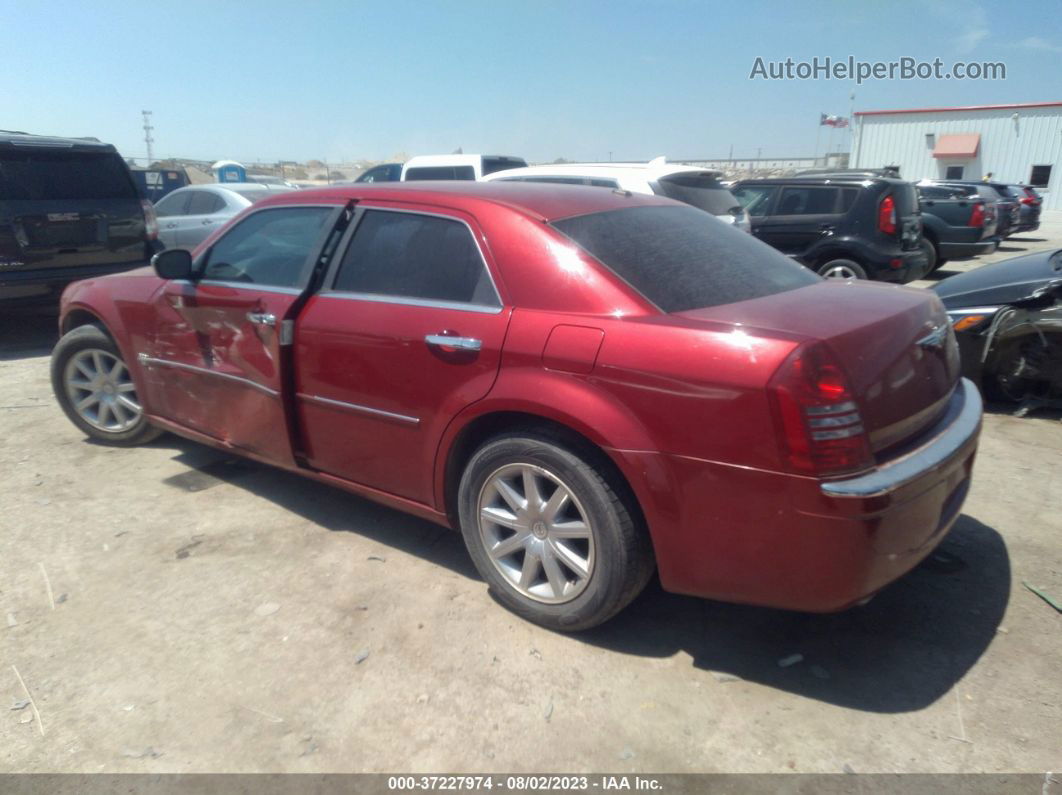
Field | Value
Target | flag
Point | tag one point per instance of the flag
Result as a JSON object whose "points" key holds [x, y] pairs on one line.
{"points": [[832, 121]]}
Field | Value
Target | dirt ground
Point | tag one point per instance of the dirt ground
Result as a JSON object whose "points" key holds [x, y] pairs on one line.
{"points": [[169, 609]]}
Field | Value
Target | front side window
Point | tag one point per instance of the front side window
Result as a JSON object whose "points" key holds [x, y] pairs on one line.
{"points": [[174, 204], [270, 247], [756, 199], [807, 201], [204, 203], [423, 257], [681, 258]]}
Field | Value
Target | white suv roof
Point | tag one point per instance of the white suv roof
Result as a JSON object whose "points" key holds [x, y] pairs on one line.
{"points": [[475, 162], [652, 170]]}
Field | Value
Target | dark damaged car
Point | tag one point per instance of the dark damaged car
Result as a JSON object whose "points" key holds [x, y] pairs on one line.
{"points": [[1007, 318]]}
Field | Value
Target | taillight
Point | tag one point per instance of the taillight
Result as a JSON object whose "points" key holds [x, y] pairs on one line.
{"points": [[821, 429], [151, 221], [887, 216], [977, 216], [1028, 200]]}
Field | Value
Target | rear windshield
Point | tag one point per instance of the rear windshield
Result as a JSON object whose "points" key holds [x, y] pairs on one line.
{"points": [[492, 164], [681, 258], [441, 172], [44, 175], [703, 192]]}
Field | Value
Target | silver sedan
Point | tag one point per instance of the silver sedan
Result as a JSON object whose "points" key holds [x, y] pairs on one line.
{"points": [[188, 215]]}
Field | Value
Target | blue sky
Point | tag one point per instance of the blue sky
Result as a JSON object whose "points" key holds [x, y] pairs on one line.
{"points": [[345, 80]]}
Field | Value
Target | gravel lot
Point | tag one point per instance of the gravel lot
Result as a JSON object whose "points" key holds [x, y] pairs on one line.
{"points": [[170, 609]]}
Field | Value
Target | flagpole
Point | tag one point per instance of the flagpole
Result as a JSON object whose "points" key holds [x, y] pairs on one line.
{"points": [[818, 137]]}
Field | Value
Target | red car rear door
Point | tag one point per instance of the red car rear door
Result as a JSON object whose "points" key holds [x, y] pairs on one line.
{"points": [[407, 332], [218, 360]]}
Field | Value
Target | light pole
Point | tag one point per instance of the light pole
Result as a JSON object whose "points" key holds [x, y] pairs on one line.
{"points": [[148, 140]]}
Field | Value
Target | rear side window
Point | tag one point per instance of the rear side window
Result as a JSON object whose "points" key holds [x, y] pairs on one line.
{"points": [[423, 257], [848, 198], [492, 164], [807, 201], [938, 192], [269, 247], [252, 194], [441, 172], [680, 258], [701, 191], [45, 175]]}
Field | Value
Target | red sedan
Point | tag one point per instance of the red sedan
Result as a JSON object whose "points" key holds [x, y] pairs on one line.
{"points": [[591, 385]]}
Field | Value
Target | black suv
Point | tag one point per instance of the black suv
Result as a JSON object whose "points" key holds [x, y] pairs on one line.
{"points": [[69, 209], [842, 225]]}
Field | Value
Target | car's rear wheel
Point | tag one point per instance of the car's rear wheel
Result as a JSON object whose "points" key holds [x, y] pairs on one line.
{"points": [[549, 530], [95, 389], [930, 250], [842, 269]]}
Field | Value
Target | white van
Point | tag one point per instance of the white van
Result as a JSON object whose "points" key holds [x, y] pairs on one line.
{"points": [[457, 166]]}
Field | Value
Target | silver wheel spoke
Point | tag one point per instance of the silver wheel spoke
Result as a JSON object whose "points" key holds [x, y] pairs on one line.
{"points": [[572, 560], [510, 495], [500, 516], [116, 370], [85, 371], [530, 569], [126, 387], [119, 412], [96, 362], [531, 493], [509, 546], [125, 402], [555, 504], [557, 581], [87, 401], [104, 411], [573, 529]]}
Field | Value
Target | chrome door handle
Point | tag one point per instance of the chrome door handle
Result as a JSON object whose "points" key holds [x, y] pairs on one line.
{"points": [[262, 318], [461, 343], [207, 222]]}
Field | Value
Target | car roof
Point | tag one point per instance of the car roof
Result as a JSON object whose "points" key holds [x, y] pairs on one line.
{"points": [[856, 179], [453, 160], [53, 142], [544, 202], [648, 170]]}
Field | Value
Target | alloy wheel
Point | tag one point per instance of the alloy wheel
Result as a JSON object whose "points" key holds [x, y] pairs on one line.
{"points": [[101, 390], [536, 533], [840, 272]]}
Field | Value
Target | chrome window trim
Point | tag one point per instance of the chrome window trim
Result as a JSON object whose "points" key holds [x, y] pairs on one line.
{"points": [[340, 404], [265, 288], [398, 299], [151, 361]]}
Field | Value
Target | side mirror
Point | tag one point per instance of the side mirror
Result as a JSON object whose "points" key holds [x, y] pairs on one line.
{"points": [[174, 263]]}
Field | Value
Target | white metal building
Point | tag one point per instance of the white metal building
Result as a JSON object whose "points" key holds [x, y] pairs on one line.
{"points": [[1015, 143]]}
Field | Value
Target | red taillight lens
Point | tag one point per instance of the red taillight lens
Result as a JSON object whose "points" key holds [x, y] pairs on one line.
{"points": [[977, 216], [887, 216], [821, 429], [1028, 200], [151, 221]]}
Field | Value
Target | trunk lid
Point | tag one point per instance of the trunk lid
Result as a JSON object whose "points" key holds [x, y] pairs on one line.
{"points": [[895, 345]]}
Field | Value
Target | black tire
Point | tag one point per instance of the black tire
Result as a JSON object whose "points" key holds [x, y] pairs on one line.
{"points": [[932, 258], [88, 339], [622, 558], [839, 263]]}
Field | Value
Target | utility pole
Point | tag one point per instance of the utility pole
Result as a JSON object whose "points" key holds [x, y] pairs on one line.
{"points": [[147, 135]]}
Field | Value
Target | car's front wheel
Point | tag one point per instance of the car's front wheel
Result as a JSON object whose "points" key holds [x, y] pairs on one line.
{"points": [[95, 389], [551, 531]]}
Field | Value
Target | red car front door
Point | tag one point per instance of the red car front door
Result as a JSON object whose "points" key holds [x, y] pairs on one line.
{"points": [[408, 332], [218, 360]]}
